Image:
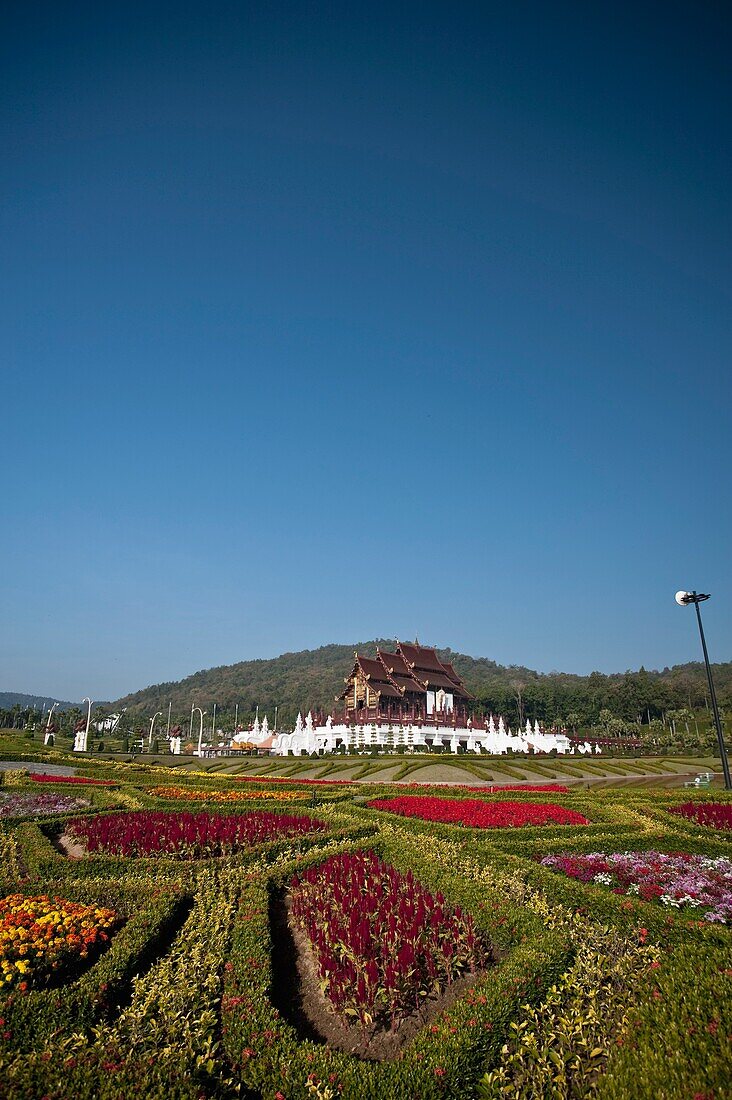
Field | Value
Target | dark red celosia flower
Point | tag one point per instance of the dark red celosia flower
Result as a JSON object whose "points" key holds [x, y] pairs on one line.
{"points": [[383, 943], [478, 814], [42, 777], [715, 815], [459, 788], [264, 779], [185, 835], [550, 788]]}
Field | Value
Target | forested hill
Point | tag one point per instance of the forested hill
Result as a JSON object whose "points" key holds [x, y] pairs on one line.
{"points": [[312, 678], [10, 699]]}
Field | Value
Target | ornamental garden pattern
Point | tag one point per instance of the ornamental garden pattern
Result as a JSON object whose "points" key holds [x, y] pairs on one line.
{"points": [[193, 936]]}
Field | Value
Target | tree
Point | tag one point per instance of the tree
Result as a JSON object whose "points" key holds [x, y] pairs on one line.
{"points": [[573, 721], [518, 690]]}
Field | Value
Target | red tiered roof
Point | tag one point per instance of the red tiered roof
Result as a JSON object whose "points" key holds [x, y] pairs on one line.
{"points": [[400, 673], [449, 668], [411, 670], [427, 666], [372, 668], [420, 657], [377, 676]]}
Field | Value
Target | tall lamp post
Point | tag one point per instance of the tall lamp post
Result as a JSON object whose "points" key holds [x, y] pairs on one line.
{"points": [[152, 723], [685, 598], [200, 732]]}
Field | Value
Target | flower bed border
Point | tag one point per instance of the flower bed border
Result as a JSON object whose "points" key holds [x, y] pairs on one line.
{"points": [[151, 915], [446, 1056], [400, 806], [43, 859], [99, 799]]}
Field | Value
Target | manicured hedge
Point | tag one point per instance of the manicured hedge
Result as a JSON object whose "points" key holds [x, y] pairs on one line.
{"points": [[151, 917], [42, 858], [445, 1058], [200, 1021], [679, 1043], [664, 926]]}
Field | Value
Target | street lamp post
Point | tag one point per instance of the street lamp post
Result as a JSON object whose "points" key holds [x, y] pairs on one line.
{"points": [[685, 598], [200, 732], [170, 707], [152, 723]]}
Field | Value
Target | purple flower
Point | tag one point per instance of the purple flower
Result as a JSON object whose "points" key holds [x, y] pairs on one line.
{"points": [[34, 805], [678, 881]]}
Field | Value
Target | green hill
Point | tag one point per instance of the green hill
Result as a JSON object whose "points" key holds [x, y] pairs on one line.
{"points": [[312, 678], [10, 699]]}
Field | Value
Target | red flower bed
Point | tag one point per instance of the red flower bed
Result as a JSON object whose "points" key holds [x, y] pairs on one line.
{"points": [[41, 777], [294, 782], [549, 788], [477, 814], [556, 788], [715, 815], [382, 942], [487, 788], [185, 835]]}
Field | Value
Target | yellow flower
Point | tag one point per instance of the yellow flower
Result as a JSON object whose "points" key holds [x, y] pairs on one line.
{"points": [[39, 933]]}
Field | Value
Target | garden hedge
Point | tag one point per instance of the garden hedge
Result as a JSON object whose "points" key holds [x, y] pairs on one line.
{"points": [[591, 993]]}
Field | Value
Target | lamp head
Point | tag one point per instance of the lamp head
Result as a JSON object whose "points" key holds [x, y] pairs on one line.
{"points": [[691, 597]]}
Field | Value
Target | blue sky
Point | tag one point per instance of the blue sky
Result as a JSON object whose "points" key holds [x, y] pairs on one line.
{"points": [[321, 323]]}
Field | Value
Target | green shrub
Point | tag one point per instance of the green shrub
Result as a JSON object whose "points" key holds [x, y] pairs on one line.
{"points": [[150, 916]]}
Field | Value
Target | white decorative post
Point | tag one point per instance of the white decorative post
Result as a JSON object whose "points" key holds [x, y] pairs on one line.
{"points": [[152, 723], [49, 734], [82, 739], [200, 732]]}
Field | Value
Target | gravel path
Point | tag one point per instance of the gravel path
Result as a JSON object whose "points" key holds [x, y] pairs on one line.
{"points": [[32, 766]]}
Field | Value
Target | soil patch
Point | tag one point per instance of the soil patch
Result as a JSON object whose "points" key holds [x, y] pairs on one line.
{"points": [[70, 846], [297, 995]]}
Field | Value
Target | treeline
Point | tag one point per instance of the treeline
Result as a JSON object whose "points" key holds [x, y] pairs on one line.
{"points": [[311, 680]]}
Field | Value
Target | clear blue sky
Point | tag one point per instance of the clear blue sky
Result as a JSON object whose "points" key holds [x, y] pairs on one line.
{"points": [[324, 322]]}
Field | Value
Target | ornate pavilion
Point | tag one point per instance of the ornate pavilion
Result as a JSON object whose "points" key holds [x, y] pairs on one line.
{"points": [[411, 685], [410, 699]]}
